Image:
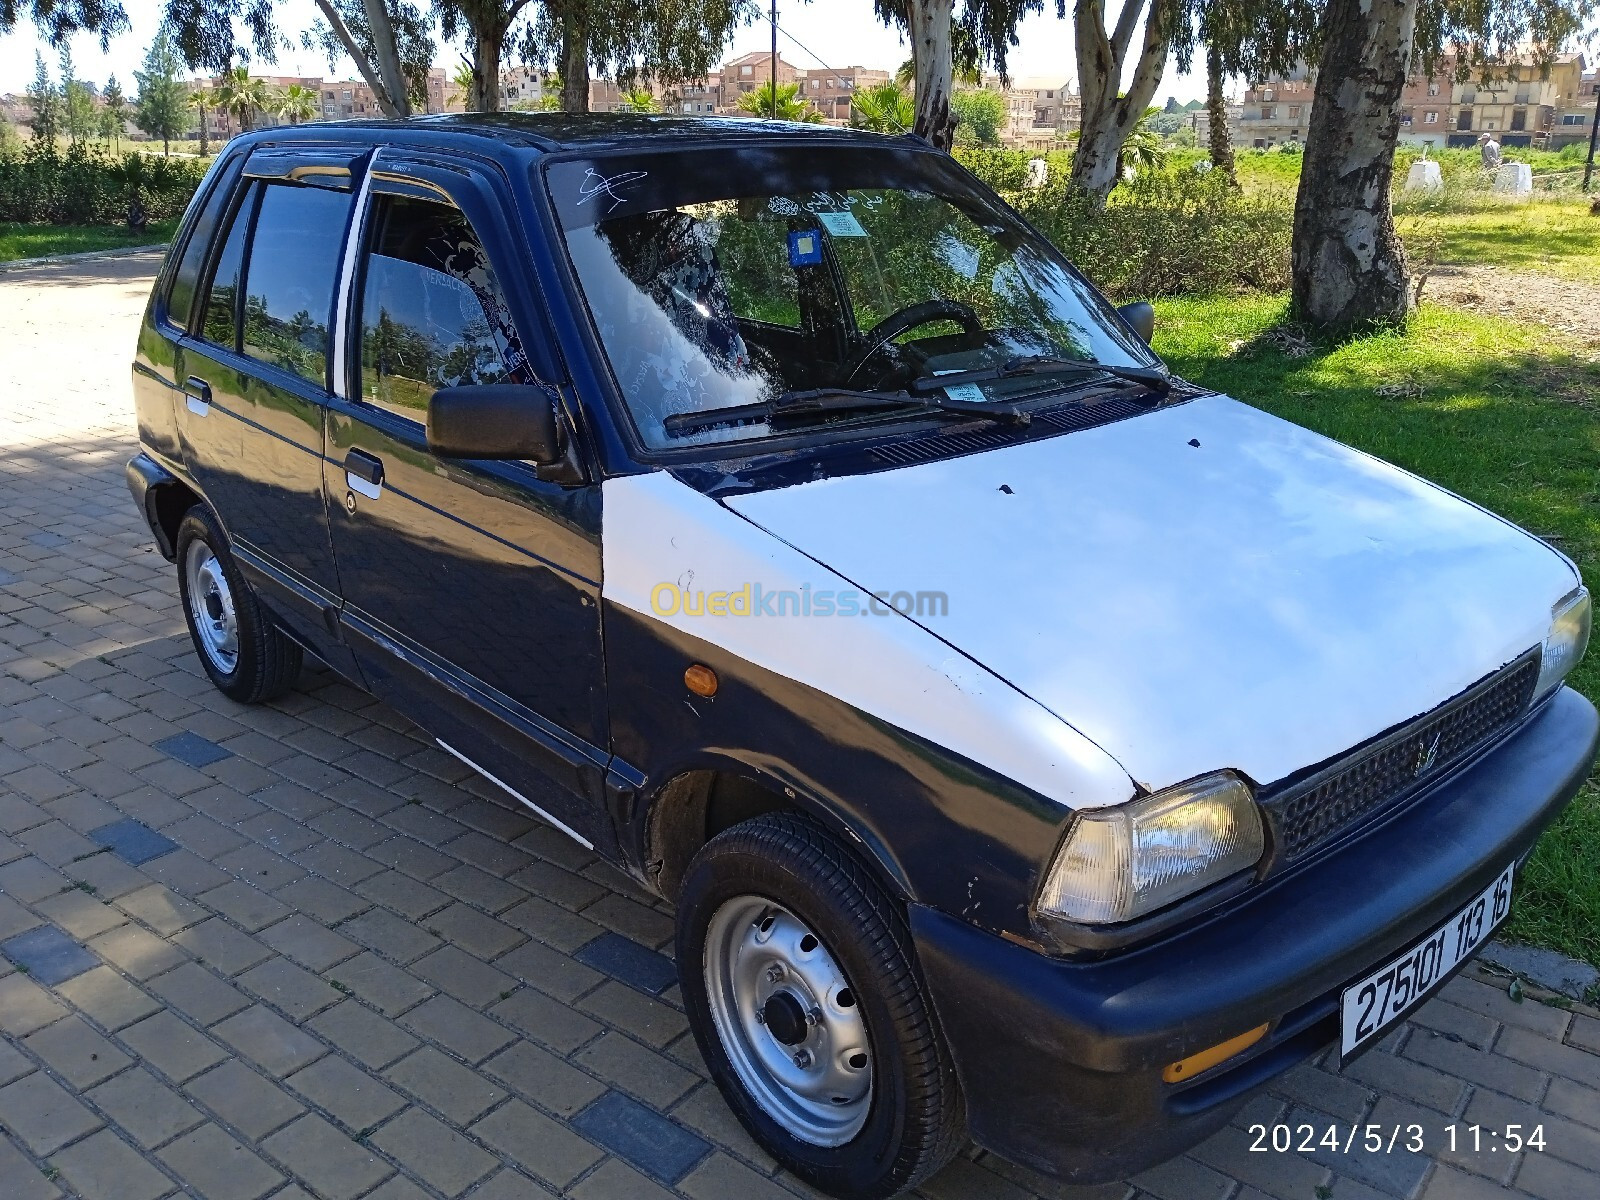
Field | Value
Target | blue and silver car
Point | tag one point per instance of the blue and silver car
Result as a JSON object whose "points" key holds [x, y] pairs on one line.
{"points": [[1038, 749]]}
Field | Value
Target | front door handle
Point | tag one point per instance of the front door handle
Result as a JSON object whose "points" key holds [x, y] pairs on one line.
{"points": [[363, 473], [197, 395]]}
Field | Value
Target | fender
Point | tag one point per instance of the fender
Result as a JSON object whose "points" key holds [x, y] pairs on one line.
{"points": [[162, 497]]}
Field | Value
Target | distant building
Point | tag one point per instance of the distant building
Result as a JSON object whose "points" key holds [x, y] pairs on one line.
{"points": [[1521, 105], [751, 72], [1527, 104], [1040, 110], [695, 97], [1276, 110], [1575, 117], [829, 91]]}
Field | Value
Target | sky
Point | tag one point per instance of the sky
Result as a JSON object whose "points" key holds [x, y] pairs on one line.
{"points": [[833, 33]]}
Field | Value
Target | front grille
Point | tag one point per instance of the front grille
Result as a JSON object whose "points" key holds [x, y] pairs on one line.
{"points": [[1308, 812]]}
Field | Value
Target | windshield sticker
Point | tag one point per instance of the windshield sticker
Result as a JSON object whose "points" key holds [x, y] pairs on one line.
{"points": [[805, 248], [970, 392], [841, 224], [783, 206], [609, 187], [960, 257]]}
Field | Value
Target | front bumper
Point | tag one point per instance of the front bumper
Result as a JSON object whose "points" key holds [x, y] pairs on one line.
{"points": [[1061, 1060]]}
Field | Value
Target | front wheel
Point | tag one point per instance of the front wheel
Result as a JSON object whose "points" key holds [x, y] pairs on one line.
{"points": [[803, 994]]}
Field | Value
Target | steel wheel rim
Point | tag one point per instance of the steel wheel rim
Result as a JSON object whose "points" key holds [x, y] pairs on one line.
{"points": [[818, 1087], [216, 622]]}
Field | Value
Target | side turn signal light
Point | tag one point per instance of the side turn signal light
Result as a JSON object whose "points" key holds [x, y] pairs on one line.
{"points": [[701, 680]]}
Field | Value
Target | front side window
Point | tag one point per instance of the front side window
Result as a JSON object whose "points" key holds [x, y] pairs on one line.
{"points": [[432, 312], [294, 257], [866, 270]]}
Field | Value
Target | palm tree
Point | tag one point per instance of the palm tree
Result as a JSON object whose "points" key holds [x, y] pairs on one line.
{"points": [[201, 99], [638, 100], [243, 97], [298, 103], [884, 108], [461, 83], [1143, 150], [786, 107]]}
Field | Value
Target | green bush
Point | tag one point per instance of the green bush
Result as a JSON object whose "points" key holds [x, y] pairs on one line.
{"points": [[1003, 170], [87, 185]]}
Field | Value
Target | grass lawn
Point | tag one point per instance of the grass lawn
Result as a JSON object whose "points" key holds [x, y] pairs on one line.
{"points": [[1501, 412], [37, 241], [1556, 237]]}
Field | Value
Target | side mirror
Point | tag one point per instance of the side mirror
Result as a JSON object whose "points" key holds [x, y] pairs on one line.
{"points": [[500, 420], [1141, 315]]}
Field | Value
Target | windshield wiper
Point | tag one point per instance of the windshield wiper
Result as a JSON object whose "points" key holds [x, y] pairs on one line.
{"points": [[819, 403], [1157, 379]]}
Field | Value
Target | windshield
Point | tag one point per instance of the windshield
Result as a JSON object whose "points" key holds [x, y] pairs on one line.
{"points": [[725, 279]]}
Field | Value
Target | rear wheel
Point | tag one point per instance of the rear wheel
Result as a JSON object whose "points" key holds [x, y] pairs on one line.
{"points": [[803, 994], [244, 654]]}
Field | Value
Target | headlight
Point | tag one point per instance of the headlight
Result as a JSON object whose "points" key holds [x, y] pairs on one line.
{"points": [[1123, 862], [1567, 640]]}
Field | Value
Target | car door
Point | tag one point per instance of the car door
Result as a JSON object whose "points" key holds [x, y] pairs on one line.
{"points": [[254, 375], [470, 588]]}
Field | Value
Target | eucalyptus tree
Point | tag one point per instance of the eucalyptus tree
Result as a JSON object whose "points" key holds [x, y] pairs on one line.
{"points": [[58, 20], [391, 43], [1349, 266], [948, 36], [662, 41]]}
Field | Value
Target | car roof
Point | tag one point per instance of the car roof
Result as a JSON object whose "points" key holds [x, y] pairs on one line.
{"points": [[554, 131]]}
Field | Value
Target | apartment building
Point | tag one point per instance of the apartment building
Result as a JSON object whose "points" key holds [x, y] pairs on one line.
{"points": [[343, 99], [1275, 111], [1526, 104], [1521, 104], [749, 72], [1039, 109], [829, 90]]}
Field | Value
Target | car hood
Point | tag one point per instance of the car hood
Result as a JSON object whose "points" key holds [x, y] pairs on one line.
{"points": [[1203, 586]]}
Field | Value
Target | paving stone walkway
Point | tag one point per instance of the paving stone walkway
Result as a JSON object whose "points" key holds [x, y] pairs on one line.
{"points": [[297, 951]]}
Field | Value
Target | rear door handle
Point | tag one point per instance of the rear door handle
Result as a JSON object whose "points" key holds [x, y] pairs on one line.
{"points": [[197, 395], [363, 473]]}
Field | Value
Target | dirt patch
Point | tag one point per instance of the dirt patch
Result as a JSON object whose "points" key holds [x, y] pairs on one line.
{"points": [[1567, 305]]}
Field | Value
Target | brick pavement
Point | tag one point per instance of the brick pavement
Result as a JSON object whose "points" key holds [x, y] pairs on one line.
{"points": [[297, 951]]}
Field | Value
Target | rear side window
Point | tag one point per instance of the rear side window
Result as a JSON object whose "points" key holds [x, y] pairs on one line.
{"points": [[432, 313], [222, 304], [294, 256], [186, 275]]}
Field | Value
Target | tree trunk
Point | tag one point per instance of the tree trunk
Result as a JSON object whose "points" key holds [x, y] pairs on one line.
{"points": [[373, 79], [575, 59], [1349, 266], [1217, 117], [388, 55], [1108, 117], [203, 131], [929, 22], [486, 47]]}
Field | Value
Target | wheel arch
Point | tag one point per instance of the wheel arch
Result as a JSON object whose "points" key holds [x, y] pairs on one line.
{"points": [[699, 802], [164, 499]]}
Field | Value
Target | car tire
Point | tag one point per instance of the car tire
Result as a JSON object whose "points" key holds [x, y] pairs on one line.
{"points": [[776, 907], [243, 652]]}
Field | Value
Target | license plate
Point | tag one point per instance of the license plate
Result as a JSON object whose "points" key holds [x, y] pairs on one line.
{"points": [[1371, 1006]]}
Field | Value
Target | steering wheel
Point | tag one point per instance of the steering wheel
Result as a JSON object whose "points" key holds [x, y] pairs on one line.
{"points": [[907, 319]]}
